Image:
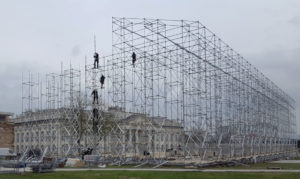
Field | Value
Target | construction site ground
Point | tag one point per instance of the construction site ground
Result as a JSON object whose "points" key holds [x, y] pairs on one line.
{"points": [[277, 169]]}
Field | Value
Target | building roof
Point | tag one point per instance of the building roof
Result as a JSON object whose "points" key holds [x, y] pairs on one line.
{"points": [[6, 114]]}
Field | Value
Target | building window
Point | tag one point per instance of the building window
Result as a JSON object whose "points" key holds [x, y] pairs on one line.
{"points": [[31, 136], [53, 148], [63, 133], [42, 136], [127, 135], [37, 136], [22, 139], [48, 137], [53, 135], [18, 138], [27, 137]]}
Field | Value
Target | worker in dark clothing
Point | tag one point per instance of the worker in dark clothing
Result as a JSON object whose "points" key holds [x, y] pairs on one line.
{"points": [[95, 119], [96, 60], [95, 95], [95, 113], [102, 81], [89, 151], [95, 127], [133, 59]]}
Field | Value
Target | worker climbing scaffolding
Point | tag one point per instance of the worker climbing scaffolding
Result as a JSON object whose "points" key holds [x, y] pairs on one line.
{"points": [[95, 119], [95, 96], [96, 60], [102, 81], [95, 113], [96, 55], [133, 59]]}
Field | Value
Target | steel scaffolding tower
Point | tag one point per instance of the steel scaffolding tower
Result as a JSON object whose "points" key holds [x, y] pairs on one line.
{"points": [[165, 74], [185, 73], [51, 113]]}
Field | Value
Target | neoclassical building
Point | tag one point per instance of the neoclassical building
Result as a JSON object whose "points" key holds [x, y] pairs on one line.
{"points": [[120, 134], [143, 136]]}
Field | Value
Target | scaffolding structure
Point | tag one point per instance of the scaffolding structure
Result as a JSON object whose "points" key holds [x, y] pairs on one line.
{"points": [[185, 73], [169, 74], [50, 116]]}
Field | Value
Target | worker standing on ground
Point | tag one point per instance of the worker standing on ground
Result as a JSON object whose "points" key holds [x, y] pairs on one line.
{"points": [[102, 81], [95, 95], [133, 59], [96, 60]]}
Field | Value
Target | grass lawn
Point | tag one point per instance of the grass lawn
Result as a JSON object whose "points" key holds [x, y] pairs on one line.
{"points": [[147, 174]]}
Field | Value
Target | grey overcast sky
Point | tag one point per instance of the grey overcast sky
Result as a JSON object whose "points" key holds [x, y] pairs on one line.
{"points": [[37, 35]]}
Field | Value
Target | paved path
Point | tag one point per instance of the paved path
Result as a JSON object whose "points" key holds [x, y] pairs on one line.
{"points": [[180, 170], [12, 170], [129, 169], [286, 161]]}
